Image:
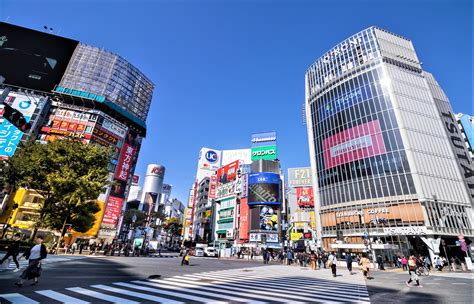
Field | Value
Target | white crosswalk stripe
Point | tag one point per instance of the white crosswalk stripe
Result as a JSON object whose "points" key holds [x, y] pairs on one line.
{"points": [[256, 285]]}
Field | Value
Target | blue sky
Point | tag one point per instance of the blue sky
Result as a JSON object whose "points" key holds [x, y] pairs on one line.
{"points": [[226, 69]]}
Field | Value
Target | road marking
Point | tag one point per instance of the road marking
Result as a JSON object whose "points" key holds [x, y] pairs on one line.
{"points": [[60, 297], [101, 296], [431, 283], [169, 293], [136, 294], [16, 298], [217, 292], [460, 283]]}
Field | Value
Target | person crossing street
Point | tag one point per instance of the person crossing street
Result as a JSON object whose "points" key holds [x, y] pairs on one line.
{"points": [[13, 251], [35, 255]]}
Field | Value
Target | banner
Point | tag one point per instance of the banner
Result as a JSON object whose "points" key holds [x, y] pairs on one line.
{"points": [[125, 162], [112, 211], [305, 197], [212, 187], [244, 227], [353, 144]]}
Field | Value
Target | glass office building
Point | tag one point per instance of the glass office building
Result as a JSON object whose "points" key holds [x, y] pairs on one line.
{"points": [[380, 156], [95, 70]]}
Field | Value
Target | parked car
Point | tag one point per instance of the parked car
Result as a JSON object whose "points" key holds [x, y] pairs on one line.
{"points": [[210, 252], [199, 252]]}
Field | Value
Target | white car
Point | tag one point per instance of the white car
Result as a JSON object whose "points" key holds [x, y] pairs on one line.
{"points": [[210, 252], [199, 252]]}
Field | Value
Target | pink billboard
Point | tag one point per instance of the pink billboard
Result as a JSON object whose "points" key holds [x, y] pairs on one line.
{"points": [[356, 143]]}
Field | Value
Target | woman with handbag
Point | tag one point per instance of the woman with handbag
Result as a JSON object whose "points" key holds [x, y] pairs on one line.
{"points": [[35, 255], [412, 272], [332, 263]]}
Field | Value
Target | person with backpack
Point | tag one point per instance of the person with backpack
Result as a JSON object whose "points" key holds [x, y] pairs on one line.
{"points": [[35, 255], [13, 251], [412, 272]]}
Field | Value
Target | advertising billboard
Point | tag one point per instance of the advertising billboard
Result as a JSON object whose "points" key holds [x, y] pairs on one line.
{"points": [[244, 155], [244, 227], [10, 135], [135, 179], [228, 173], [264, 189], [299, 177], [150, 201], [265, 152], [264, 139], [345, 101], [33, 59], [112, 211], [209, 159], [212, 187], [353, 144], [305, 197]]}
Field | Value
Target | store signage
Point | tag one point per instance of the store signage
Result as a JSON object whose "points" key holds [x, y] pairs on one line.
{"points": [[272, 238], [212, 187], [411, 230], [299, 177], [339, 49], [255, 237], [457, 142], [114, 128], [359, 212], [157, 170], [78, 93], [225, 190], [305, 197], [295, 236], [264, 139], [211, 156], [125, 162], [112, 211], [104, 135], [266, 153]]}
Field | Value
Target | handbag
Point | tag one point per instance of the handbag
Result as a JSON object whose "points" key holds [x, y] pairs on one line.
{"points": [[35, 272], [330, 263]]}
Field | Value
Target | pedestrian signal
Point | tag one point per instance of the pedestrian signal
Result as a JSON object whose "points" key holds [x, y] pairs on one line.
{"points": [[16, 118]]}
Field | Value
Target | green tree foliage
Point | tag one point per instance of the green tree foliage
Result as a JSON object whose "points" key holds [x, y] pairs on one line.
{"points": [[172, 226], [68, 174], [140, 217]]}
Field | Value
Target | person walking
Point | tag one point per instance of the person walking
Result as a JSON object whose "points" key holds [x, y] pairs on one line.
{"points": [[332, 263], [404, 263], [186, 258], [349, 262], [264, 256], [325, 260], [13, 251], [35, 255], [412, 272], [289, 256], [313, 260], [380, 262], [365, 265], [319, 261]]}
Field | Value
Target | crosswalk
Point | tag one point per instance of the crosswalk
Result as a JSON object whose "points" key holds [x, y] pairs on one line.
{"points": [[257, 285]]}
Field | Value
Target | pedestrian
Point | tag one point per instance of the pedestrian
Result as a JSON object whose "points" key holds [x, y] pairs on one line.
{"points": [[349, 262], [251, 254], [332, 263], [13, 251], [73, 247], [365, 265], [412, 272], [325, 260], [313, 260], [427, 263], [319, 261], [81, 247], [35, 255], [183, 260], [290, 257], [380, 262], [264, 256], [404, 263]]}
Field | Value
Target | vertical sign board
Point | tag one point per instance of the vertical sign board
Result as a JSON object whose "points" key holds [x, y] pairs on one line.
{"points": [[244, 227]]}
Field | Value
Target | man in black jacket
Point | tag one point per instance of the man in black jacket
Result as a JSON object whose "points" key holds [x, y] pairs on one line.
{"points": [[35, 255], [13, 251]]}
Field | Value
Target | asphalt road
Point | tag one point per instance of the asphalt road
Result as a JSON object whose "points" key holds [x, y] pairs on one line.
{"points": [[386, 287]]}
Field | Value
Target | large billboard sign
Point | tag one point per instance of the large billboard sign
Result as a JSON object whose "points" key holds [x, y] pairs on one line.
{"points": [[244, 227], [299, 177], [264, 189], [33, 59], [10, 135], [112, 211], [212, 187], [209, 159], [353, 144], [305, 197], [266, 153], [228, 173], [269, 218]]}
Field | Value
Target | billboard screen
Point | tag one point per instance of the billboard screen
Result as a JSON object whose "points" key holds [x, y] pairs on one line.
{"points": [[269, 218], [353, 144], [305, 197], [33, 59], [264, 189], [299, 177]]}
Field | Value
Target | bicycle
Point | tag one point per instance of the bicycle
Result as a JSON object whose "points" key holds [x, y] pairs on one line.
{"points": [[422, 271]]}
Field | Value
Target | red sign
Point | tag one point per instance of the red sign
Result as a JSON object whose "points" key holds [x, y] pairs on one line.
{"points": [[228, 173], [305, 197], [125, 162], [244, 224], [356, 143], [212, 186], [112, 211]]}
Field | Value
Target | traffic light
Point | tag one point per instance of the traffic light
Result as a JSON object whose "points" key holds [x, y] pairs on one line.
{"points": [[16, 118]]}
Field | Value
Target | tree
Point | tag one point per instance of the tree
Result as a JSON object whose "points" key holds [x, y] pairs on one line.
{"points": [[172, 227], [68, 174]]}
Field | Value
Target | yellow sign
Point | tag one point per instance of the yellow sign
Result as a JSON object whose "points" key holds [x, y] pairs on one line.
{"points": [[299, 225], [208, 213], [295, 236]]}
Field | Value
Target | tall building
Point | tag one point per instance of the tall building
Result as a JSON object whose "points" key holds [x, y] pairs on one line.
{"points": [[384, 171], [65, 88]]}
